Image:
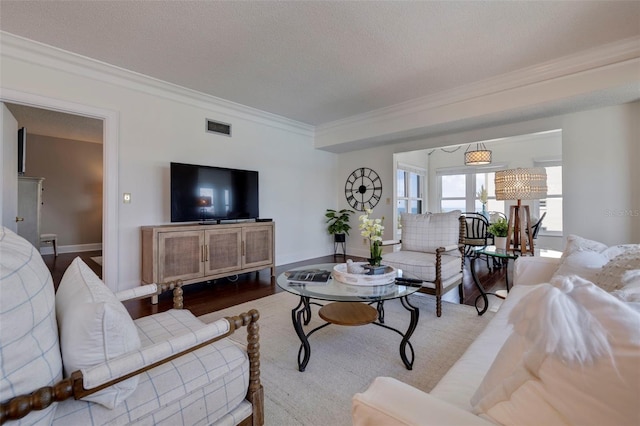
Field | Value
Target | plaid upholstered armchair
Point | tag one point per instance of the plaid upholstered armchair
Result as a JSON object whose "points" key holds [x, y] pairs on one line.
{"points": [[432, 248], [77, 357]]}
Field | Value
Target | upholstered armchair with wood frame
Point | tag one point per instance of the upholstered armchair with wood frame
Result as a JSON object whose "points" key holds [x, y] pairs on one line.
{"points": [[76, 356], [432, 249]]}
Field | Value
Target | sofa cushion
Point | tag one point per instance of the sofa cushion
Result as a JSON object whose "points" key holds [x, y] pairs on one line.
{"points": [[94, 327], [427, 232], [29, 349], [573, 358]]}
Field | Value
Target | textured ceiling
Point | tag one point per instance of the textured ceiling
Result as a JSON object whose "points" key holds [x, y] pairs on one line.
{"points": [[317, 62]]}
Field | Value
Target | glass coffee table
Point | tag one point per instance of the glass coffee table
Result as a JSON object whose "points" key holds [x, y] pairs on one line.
{"points": [[349, 305]]}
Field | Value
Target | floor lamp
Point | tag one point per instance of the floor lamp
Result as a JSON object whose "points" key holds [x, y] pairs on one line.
{"points": [[521, 184]]}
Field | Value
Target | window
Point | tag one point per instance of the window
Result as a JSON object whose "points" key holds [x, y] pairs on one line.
{"points": [[460, 191], [552, 205], [410, 184], [410, 192]]}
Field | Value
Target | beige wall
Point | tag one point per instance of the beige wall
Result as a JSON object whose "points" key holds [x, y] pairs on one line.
{"points": [[72, 188]]}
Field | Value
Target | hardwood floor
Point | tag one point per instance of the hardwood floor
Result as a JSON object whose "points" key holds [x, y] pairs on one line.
{"points": [[222, 293]]}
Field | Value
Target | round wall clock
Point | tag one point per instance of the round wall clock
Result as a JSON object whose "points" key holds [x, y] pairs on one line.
{"points": [[363, 189]]}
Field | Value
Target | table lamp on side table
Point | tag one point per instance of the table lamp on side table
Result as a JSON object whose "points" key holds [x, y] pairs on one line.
{"points": [[521, 184]]}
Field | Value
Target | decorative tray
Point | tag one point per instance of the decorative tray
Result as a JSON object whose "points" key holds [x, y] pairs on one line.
{"points": [[340, 274]]}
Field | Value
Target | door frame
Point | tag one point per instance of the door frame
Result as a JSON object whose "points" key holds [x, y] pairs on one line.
{"points": [[110, 143]]}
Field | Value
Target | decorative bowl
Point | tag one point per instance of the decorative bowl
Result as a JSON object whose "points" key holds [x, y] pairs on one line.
{"points": [[340, 274]]}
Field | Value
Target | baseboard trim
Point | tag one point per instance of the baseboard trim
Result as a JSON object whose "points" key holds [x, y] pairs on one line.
{"points": [[71, 248]]}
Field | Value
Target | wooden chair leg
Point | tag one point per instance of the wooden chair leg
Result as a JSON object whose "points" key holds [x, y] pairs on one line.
{"points": [[461, 293], [438, 306]]}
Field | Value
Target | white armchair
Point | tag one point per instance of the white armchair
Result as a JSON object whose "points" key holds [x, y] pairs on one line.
{"points": [[432, 249], [77, 357]]}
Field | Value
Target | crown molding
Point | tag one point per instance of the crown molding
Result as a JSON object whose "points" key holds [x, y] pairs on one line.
{"points": [[586, 60], [41, 54]]}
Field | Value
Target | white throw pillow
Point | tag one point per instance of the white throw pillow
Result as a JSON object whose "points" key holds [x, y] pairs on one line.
{"points": [[585, 264], [577, 351], [29, 349], [94, 327], [619, 271], [576, 243]]}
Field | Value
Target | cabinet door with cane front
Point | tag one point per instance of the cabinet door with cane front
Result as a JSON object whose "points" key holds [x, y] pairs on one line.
{"points": [[180, 255], [223, 250], [258, 246]]}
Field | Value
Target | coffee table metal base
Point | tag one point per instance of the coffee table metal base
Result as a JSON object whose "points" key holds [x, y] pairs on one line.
{"points": [[350, 314]]}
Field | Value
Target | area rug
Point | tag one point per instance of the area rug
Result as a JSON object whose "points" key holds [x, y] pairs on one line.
{"points": [[344, 360]]}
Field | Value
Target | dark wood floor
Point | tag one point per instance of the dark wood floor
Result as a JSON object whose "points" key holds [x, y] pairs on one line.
{"points": [[222, 293]]}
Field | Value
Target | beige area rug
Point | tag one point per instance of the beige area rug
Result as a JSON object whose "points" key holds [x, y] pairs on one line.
{"points": [[344, 360]]}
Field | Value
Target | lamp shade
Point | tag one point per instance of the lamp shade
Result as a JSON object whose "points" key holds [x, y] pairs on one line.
{"points": [[521, 184], [481, 155], [473, 158]]}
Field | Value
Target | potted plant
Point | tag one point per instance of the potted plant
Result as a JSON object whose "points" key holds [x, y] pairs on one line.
{"points": [[338, 224], [499, 231]]}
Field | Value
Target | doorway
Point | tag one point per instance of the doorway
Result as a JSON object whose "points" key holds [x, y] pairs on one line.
{"points": [[110, 124], [65, 151]]}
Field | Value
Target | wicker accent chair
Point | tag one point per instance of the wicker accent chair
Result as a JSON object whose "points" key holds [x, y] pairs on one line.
{"points": [[76, 356], [432, 249]]}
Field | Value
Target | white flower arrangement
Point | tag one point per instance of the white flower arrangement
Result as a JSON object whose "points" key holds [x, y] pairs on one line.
{"points": [[483, 195], [372, 229]]}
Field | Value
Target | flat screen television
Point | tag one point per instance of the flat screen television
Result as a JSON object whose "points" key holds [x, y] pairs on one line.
{"points": [[22, 151], [206, 193]]}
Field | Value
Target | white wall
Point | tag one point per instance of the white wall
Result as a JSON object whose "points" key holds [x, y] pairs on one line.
{"points": [[159, 124], [601, 177], [381, 160], [72, 195]]}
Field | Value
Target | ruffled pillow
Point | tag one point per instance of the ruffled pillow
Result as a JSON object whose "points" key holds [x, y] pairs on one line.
{"points": [[572, 359]]}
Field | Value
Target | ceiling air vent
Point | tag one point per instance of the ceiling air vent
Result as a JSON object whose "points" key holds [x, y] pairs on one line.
{"points": [[218, 127]]}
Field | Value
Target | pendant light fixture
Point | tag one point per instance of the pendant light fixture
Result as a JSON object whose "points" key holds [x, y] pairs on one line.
{"points": [[481, 155]]}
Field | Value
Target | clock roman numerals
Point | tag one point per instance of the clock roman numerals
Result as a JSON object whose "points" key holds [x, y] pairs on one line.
{"points": [[365, 184]]}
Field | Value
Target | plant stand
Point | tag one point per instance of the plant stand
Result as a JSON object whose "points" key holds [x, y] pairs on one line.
{"points": [[340, 240]]}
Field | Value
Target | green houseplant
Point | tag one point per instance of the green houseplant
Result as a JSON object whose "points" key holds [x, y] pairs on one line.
{"points": [[338, 223], [499, 230]]}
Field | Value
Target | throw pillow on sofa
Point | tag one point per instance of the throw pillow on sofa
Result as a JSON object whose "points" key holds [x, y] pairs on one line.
{"points": [[623, 270], [94, 327], [587, 258], [579, 349]]}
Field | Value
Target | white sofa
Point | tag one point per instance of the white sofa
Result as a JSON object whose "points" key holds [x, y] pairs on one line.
{"points": [[388, 401]]}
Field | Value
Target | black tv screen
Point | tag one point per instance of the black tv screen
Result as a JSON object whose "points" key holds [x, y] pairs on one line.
{"points": [[206, 193]]}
